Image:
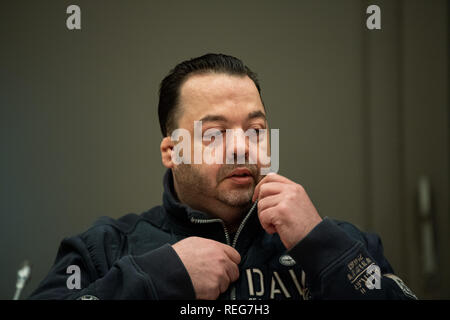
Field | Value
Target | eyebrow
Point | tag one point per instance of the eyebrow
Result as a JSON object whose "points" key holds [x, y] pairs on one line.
{"points": [[213, 118], [219, 118], [257, 114]]}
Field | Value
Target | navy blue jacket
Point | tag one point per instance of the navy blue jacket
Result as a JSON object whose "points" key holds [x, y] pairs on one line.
{"points": [[132, 258]]}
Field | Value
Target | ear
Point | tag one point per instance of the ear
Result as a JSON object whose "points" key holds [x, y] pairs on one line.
{"points": [[166, 148]]}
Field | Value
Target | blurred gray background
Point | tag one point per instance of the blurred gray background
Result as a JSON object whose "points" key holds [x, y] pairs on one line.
{"points": [[363, 114]]}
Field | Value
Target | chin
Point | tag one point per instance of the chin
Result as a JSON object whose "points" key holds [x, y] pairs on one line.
{"points": [[236, 198]]}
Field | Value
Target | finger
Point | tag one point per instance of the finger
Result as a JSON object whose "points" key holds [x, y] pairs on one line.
{"points": [[258, 187], [233, 271], [232, 254], [224, 281], [266, 220], [269, 202], [271, 177], [270, 189]]}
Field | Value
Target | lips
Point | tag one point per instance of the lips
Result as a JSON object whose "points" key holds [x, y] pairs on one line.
{"points": [[240, 176], [240, 172]]}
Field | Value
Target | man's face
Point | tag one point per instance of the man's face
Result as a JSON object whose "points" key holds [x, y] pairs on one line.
{"points": [[221, 102]]}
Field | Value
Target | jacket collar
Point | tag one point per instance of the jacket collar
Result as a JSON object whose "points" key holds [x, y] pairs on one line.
{"points": [[181, 215], [172, 204]]}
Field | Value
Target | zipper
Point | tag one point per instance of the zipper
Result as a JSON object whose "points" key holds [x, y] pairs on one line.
{"points": [[204, 221], [236, 236], [241, 226], [227, 235]]}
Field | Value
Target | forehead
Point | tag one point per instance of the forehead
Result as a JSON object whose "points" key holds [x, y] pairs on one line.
{"points": [[217, 93]]}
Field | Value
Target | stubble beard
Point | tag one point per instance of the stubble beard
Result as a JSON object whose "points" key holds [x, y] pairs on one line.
{"points": [[194, 184]]}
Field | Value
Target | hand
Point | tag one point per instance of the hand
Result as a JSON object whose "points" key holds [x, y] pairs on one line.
{"points": [[285, 208], [211, 265]]}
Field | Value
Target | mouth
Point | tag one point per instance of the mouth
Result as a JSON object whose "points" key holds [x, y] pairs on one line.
{"points": [[240, 176]]}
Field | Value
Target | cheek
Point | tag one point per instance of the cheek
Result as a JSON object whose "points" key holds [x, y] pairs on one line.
{"points": [[209, 173], [264, 156]]}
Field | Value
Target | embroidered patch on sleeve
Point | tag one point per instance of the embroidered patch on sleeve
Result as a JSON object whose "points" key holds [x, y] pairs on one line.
{"points": [[357, 273], [88, 297], [407, 291]]}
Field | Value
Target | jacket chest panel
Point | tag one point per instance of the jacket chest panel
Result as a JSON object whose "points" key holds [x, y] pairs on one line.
{"points": [[279, 278]]}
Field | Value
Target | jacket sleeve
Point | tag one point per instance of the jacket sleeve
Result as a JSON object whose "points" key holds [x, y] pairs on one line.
{"points": [[145, 276], [341, 262]]}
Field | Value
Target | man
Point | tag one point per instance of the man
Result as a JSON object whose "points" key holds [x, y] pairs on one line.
{"points": [[224, 231]]}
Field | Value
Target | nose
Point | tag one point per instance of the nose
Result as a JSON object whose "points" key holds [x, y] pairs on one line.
{"points": [[237, 146]]}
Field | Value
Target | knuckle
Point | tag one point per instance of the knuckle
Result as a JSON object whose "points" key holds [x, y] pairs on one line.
{"points": [[283, 207], [260, 203], [222, 259], [299, 188], [236, 273], [262, 217], [262, 189], [220, 274], [292, 195]]}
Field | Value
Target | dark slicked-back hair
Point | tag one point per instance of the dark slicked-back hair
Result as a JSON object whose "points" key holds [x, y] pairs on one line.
{"points": [[169, 90]]}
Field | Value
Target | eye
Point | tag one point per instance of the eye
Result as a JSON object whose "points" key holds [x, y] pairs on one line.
{"points": [[259, 131], [210, 134]]}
